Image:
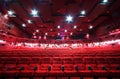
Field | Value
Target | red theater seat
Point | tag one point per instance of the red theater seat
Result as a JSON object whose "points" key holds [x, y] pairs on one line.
{"points": [[24, 60], [78, 61], [35, 60], [67, 60], [57, 60], [100, 60], [45, 60], [89, 60]]}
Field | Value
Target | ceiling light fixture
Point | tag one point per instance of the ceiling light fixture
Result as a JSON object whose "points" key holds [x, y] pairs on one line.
{"points": [[58, 26], [90, 27], [46, 33], [75, 27], [83, 12], [11, 13], [69, 18], [37, 30], [104, 2], [29, 21], [71, 33], [24, 25], [34, 13], [65, 31], [58, 33]]}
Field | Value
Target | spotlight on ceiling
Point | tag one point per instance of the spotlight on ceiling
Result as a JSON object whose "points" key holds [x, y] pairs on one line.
{"points": [[58, 26], [65, 30], [37, 30], [46, 33], [104, 2], [83, 12], [34, 13], [71, 33], [75, 27], [29, 21], [58, 33], [24, 25], [90, 27], [69, 18], [11, 13]]}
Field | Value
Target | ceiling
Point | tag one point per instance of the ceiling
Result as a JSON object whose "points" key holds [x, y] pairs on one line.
{"points": [[53, 13]]}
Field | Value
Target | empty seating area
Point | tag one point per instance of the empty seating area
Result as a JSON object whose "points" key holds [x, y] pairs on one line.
{"points": [[47, 63]]}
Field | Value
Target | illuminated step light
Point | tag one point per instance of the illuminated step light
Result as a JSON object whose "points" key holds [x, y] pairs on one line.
{"points": [[29, 21], [34, 13], [90, 27], [75, 27], [58, 26], [11, 13], [37, 30], [24, 25], [46, 33], [71, 33], [65, 30], [69, 18]]}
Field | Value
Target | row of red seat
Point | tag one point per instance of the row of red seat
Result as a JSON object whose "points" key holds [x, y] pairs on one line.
{"points": [[56, 60], [24, 69]]}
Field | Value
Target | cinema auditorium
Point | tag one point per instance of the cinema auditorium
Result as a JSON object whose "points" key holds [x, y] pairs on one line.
{"points": [[59, 39]]}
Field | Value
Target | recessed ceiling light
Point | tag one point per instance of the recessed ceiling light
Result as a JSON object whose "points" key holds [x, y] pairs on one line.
{"points": [[90, 27], [11, 13], [75, 27], [71, 33], [58, 33], [24, 25], [29, 21], [34, 13], [37, 30], [58, 26], [83, 12], [80, 29], [46, 33], [65, 30], [69, 18], [51, 29], [105, 1]]}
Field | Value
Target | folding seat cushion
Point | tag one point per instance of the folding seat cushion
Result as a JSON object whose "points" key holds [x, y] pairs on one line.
{"points": [[115, 67], [69, 67], [33, 67], [79, 67], [91, 66], [56, 67], [103, 67], [9, 68], [45, 67]]}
